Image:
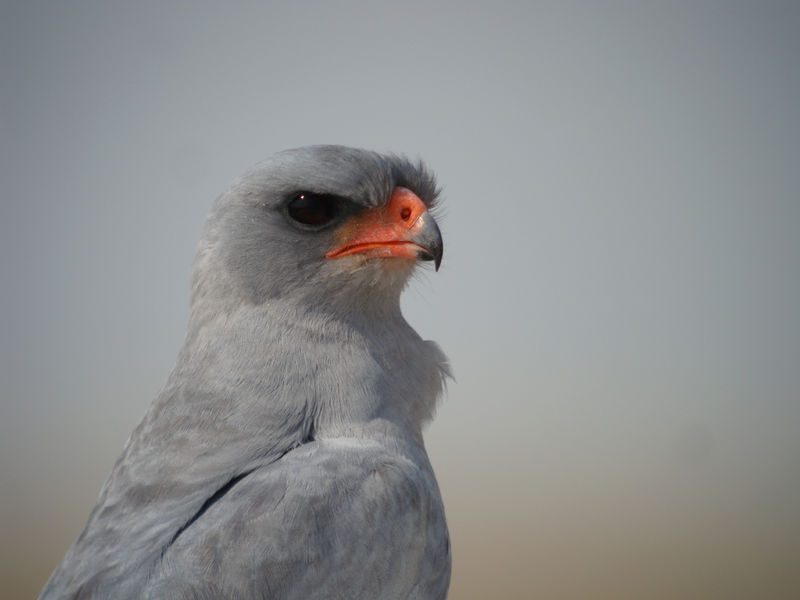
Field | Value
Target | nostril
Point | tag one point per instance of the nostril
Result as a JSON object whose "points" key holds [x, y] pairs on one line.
{"points": [[405, 213]]}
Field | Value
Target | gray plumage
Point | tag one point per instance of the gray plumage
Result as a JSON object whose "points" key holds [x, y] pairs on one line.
{"points": [[284, 456]]}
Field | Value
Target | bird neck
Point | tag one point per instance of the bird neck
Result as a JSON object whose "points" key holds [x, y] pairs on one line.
{"points": [[321, 373]]}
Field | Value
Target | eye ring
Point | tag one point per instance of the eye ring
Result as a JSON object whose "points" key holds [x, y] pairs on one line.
{"points": [[311, 210]]}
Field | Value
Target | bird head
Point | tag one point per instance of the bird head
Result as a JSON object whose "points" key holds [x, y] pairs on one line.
{"points": [[330, 222]]}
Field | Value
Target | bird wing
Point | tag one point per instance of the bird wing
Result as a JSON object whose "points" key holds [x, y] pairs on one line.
{"points": [[181, 457], [287, 531]]}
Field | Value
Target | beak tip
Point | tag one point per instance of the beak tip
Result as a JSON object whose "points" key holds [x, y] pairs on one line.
{"points": [[434, 255], [429, 238]]}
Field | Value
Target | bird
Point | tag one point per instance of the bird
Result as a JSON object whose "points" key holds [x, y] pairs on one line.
{"points": [[284, 456]]}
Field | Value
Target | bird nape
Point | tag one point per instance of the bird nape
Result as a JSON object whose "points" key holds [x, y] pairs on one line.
{"points": [[284, 456]]}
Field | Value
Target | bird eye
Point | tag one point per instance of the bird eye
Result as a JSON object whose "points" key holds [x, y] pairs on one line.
{"points": [[315, 210]]}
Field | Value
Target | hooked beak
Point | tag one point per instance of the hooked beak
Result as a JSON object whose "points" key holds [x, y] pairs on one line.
{"points": [[403, 228]]}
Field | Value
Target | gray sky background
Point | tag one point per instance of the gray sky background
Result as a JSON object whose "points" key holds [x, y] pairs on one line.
{"points": [[620, 292]]}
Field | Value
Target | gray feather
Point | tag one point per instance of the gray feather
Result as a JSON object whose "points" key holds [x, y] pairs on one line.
{"points": [[284, 456]]}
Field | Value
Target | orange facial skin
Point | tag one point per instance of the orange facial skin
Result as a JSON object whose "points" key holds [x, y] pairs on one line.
{"points": [[402, 228]]}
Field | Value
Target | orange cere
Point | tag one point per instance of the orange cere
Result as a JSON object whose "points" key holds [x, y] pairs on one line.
{"points": [[383, 232]]}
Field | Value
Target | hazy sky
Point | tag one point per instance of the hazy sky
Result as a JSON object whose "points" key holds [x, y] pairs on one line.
{"points": [[620, 291]]}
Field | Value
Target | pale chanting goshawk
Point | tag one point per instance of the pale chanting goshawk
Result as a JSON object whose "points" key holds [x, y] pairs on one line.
{"points": [[284, 458]]}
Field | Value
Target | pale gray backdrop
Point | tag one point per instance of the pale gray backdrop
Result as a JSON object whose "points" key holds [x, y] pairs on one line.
{"points": [[620, 292]]}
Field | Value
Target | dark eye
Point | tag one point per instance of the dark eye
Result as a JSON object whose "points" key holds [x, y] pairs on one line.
{"points": [[315, 210]]}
